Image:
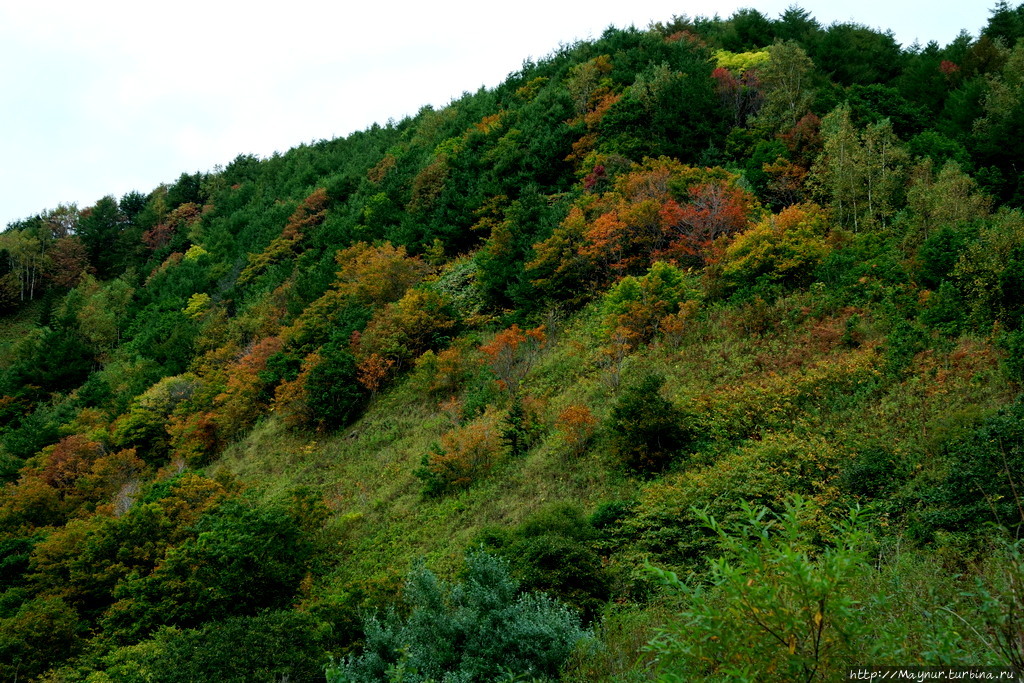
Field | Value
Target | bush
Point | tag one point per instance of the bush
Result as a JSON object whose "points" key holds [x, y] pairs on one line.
{"points": [[243, 560], [875, 471], [552, 552], [480, 629], [464, 455], [42, 633], [646, 430], [640, 304], [981, 481], [773, 607], [785, 249], [272, 645]]}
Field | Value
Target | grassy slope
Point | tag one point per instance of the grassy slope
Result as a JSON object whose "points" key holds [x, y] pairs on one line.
{"points": [[16, 327], [785, 393]]}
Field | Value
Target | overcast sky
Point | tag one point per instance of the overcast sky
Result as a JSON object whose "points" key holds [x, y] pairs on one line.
{"points": [[107, 96]]}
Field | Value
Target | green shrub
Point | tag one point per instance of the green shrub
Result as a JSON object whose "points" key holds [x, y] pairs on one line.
{"points": [[646, 430], [243, 560], [272, 645], [334, 397], [938, 255], [42, 633], [875, 471], [477, 630], [552, 551], [981, 480], [773, 610], [945, 310]]}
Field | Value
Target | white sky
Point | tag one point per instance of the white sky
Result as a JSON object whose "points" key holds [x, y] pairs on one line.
{"points": [[107, 96]]}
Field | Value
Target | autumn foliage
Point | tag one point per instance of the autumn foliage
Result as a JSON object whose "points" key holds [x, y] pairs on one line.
{"points": [[511, 354], [463, 455], [576, 423]]}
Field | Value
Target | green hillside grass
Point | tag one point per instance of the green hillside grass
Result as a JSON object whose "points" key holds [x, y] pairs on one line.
{"points": [[643, 365]]}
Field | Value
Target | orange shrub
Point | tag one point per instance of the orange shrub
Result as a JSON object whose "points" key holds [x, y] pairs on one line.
{"points": [[445, 372], [403, 330], [373, 371], [576, 425], [464, 455], [68, 459], [239, 405], [512, 353]]}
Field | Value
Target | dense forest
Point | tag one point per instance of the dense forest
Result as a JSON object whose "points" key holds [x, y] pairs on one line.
{"points": [[686, 353]]}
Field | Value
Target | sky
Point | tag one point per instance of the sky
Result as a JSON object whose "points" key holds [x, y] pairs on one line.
{"points": [[109, 96]]}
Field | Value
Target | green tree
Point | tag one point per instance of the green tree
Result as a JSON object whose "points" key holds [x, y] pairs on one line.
{"points": [[100, 229], [42, 633], [862, 174], [646, 430], [851, 53], [243, 559], [785, 81]]}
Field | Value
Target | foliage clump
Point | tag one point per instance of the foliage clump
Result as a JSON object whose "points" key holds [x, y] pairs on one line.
{"points": [[481, 628], [647, 431]]}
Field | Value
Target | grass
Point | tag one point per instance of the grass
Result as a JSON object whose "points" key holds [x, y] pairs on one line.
{"points": [[787, 398], [15, 327]]}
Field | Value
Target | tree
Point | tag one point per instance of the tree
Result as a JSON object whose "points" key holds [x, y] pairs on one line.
{"points": [[798, 25], [307, 216], [331, 394], [68, 262], [41, 633], [100, 228], [272, 645], [785, 82], [511, 354], [862, 174], [1003, 114], [852, 53], [715, 210], [401, 331], [785, 249], [26, 259], [948, 199], [243, 559], [1006, 23], [646, 430]]}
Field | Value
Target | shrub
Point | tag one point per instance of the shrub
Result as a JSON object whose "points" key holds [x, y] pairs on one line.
{"points": [[552, 552], [639, 304], [272, 645], [875, 471], [511, 354], [981, 481], [477, 630], [784, 249], [464, 455], [646, 430], [576, 426], [760, 472], [772, 606]]}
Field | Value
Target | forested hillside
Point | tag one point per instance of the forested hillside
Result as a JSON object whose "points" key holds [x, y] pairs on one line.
{"points": [[690, 352]]}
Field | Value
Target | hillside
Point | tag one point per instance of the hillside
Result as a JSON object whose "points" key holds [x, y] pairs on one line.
{"points": [[686, 353]]}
